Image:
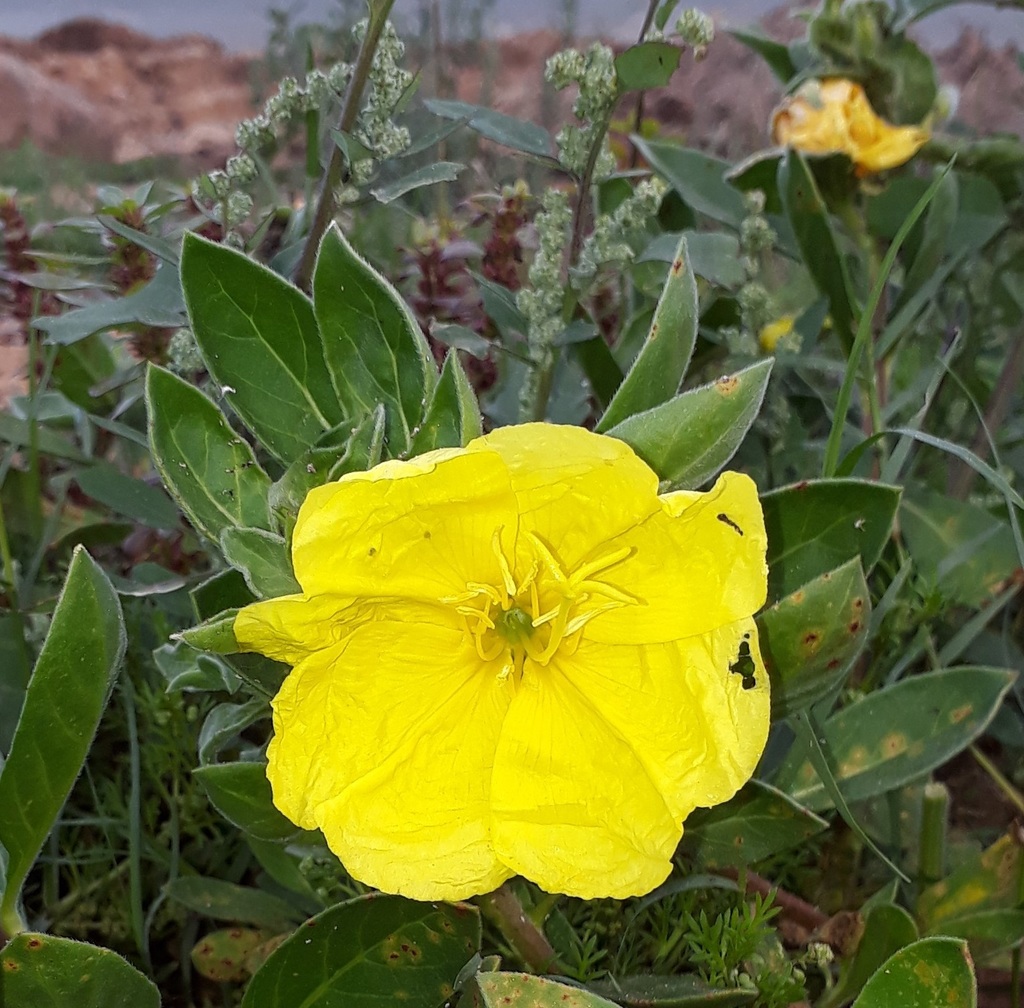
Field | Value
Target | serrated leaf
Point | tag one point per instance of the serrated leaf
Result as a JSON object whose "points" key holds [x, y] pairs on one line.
{"points": [[646, 65], [818, 525], [440, 171], [688, 439], [374, 348], [819, 247], [44, 971], [259, 338], [932, 971], [521, 990], [503, 129], [452, 418], [70, 684], [226, 901], [661, 364], [372, 951], [810, 638], [241, 793], [899, 733], [211, 472], [758, 822], [263, 559]]}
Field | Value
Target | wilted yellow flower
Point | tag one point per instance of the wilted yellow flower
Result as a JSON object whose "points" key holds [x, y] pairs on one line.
{"points": [[834, 116], [515, 658]]}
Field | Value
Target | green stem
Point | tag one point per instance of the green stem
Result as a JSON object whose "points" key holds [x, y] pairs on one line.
{"points": [[934, 823], [529, 943], [326, 205]]}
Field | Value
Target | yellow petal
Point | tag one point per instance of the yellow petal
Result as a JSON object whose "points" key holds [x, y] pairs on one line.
{"points": [[417, 529], [696, 710], [574, 808], [698, 564], [385, 742], [574, 489], [290, 628]]}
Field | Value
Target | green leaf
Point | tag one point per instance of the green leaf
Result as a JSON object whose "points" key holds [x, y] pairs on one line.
{"points": [[185, 669], [227, 901], [959, 547], [131, 497], [347, 448], [66, 695], [816, 526], [263, 559], [43, 971], [372, 951], [688, 439], [810, 638], [988, 932], [713, 255], [988, 880], [661, 364], [216, 634], [887, 929], [452, 418], [758, 822], [671, 992], [440, 171], [375, 350], [930, 972], [211, 472], [601, 369], [15, 671], [899, 733], [698, 178], [521, 990], [241, 793], [260, 342], [159, 304], [20, 432], [646, 65], [503, 129], [819, 247], [775, 54]]}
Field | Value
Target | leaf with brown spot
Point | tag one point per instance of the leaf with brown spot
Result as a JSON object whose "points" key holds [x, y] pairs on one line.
{"points": [[898, 734], [925, 974]]}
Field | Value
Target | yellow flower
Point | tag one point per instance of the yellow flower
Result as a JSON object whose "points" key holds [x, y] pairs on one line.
{"points": [[834, 116], [775, 332], [515, 658]]}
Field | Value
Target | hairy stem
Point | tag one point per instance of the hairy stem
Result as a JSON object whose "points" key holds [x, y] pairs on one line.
{"points": [[504, 910], [326, 204]]}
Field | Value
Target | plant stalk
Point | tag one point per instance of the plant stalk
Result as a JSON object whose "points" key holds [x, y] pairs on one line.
{"points": [[505, 911], [326, 203]]}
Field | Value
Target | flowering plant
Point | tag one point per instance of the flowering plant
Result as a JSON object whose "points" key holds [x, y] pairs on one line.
{"points": [[515, 658]]}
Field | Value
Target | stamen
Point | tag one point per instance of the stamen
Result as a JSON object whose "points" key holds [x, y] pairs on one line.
{"points": [[506, 572], [601, 563]]}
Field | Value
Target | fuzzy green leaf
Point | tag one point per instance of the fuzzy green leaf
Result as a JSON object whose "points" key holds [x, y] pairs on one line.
{"points": [[646, 65], [44, 971], [260, 342], [263, 559], [375, 350], [372, 951], [932, 971], [66, 695], [660, 366], [452, 418], [241, 793], [816, 526], [688, 439], [211, 472]]}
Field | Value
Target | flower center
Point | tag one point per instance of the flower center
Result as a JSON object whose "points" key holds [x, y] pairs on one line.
{"points": [[543, 612]]}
